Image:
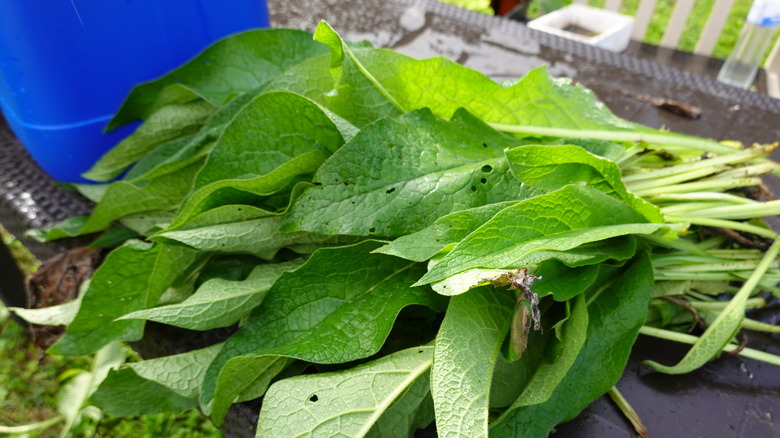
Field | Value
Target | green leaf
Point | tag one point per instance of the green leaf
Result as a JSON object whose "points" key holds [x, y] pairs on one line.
{"points": [[355, 96], [260, 237], [270, 130], [411, 411], [164, 125], [467, 348], [125, 198], [74, 394], [61, 314], [125, 393], [551, 372], [445, 231], [725, 326], [388, 80], [174, 154], [345, 403], [617, 306], [228, 68], [418, 164], [563, 282], [218, 302], [523, 234], [181, 373], [338, 307], [552, 167], [132, 277], [536, 105], [246, 191]]}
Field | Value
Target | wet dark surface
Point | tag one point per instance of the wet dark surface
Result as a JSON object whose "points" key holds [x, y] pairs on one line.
{"points": [[731, 397]]}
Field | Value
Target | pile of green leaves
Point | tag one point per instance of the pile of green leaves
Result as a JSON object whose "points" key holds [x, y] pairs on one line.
{"points": [[350, 210]]}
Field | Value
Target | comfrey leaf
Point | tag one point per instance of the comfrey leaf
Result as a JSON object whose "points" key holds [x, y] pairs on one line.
{"points": [[338, 307], [417, 163], [539, 229], [349, 402], [617, 306]]}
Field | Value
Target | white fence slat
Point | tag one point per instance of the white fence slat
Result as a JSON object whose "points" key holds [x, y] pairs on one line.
{"points": [[644, 13], [613, 5], [713, 28], [677, 23]]}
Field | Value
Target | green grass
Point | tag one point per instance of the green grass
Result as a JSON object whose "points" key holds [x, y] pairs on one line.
{"points": [[30, 382]]}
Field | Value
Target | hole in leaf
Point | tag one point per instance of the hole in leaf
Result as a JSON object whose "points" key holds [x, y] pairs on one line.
{"points": [[473, 188], [483, 180], [487, 168], [372, 230], [390, 190], [313, 398], [484, 145]]}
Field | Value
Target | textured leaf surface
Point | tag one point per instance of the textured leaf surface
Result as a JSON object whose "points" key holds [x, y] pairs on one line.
{"points": [[270, 130], [418, 164], [447, 230], [217, 302], [338, 307], [132, 277], [164, 125], [558, 221], [124, 198], [246, 191], [467, 348], [552, 167], [224, 70], [260, 237], [125, 393], [616, 309], [182, 373], [550, 373], [346, 403]]}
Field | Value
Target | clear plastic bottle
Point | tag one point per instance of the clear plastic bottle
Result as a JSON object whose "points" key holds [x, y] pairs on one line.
{"points": [[742, 64]]}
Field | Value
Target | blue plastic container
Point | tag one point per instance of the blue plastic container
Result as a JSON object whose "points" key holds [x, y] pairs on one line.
{"points": [[66, 66]]}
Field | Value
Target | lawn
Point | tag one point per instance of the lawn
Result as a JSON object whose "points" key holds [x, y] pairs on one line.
{"points": [[31, 383]]}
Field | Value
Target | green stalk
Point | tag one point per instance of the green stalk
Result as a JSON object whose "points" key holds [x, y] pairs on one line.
{"points": [[691, 206], [752, 324], [659, 138], [628, 412], [722, 266], [752, 303], [32, 427], [758, 209], [684, 338], [720, 223], [753, 170], [725, 198], [710, 165], [699, 186], [652, 182]]}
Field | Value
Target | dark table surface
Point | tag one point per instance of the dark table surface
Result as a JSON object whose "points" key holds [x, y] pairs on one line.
{"points": [[729, 397]]}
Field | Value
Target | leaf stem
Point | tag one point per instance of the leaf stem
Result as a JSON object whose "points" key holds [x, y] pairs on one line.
{"points": [[720, 223], [757, 209], [698, 168], [712, 184], [628, 412], [630, 136], [27, 428], [684, 338]]}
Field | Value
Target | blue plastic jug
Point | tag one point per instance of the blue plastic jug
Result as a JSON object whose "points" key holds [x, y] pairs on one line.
{"points": [[67, 65]]}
